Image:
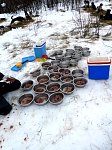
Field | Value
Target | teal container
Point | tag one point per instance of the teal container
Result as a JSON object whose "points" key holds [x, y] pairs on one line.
{"points": [[40, 50]]}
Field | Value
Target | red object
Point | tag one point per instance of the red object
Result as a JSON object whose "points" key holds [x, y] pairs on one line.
{"points": [[45, 56]]}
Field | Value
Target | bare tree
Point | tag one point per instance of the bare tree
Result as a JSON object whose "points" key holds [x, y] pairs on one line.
{"points": [[15, 5]]}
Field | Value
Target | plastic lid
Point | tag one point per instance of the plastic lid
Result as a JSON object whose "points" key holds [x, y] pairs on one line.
{"points": [[40, 41], [99, 60]]}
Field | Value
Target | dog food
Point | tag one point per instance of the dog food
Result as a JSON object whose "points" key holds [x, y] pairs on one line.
{"points": [[80, 82], [43, 80], [56, 98], [39, 89], [41, 99], [27, 85], [67, 89], [54, 88], [55, 77], [26, 100]]}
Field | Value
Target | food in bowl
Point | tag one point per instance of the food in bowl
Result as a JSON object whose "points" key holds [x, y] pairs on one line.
{"points": [[45, 65], [55, 76], [53, 87], [53, 69], [56, 98], [80, 82], [25, 99], [27, 85], [67, 88], [41, 99], [64, 71], [43, 79], [67, 78], [39, 88]]}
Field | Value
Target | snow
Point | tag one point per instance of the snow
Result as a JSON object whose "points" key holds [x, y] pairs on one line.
{"points": [[83, 121]]}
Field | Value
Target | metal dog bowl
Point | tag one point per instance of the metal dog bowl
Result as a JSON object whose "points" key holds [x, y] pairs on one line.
{"points": [[25, 100], [27, 85], [67, 79], [55, 76], [77, 47], [60, 52], [73, 62], [53, 54], [76, 57], [53, 69], [67, 88], [78, 73], [53, 87], [65, 59], [64, 71], [43, 79], [35, 73], [66, 62], [85, 49], [45, 65], [86, 53], [64, 65], [39, 88], [56, 98], [80, 82], [70, 51], [68, 55], [41, 99], [55, 62], [59, 57]]}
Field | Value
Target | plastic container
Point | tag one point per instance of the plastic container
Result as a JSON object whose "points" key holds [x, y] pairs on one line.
{"points": [[98, 68], [40, 50]]}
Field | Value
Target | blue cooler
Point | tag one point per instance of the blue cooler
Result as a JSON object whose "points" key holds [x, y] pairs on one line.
{"points": [[98, 68], [40, 50]]}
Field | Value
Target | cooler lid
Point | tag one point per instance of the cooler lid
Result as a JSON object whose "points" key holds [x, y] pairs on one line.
{"points": [[99, 60]]}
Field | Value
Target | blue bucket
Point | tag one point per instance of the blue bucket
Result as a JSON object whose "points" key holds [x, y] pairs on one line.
{"points": [[40, 50]]}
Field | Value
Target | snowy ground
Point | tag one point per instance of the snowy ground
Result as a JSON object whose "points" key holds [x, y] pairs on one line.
{"points": [[84, 120]]}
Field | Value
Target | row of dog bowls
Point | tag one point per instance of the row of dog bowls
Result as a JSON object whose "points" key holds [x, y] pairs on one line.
{"points": [[64, 76], [74, 54], [52, 69], [41, 99], [53, 86], [71, 57], [77, 49], [64, 63]]}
